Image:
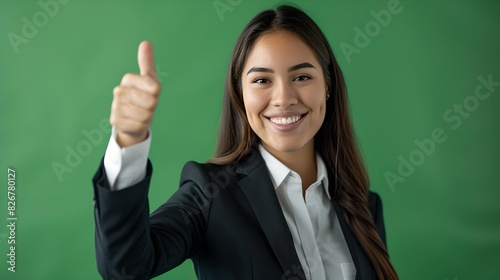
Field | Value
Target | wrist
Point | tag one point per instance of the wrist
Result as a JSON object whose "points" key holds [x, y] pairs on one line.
{"points": [[126, 140]]}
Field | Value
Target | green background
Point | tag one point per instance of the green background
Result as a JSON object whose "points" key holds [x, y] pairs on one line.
{"points": [[443, 221]]}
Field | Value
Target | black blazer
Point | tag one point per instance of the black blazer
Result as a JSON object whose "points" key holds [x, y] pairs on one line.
{"points": [[226, 218]]}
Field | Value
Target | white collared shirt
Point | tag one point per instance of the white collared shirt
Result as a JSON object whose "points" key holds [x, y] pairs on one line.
{"points": [[315, 228]]}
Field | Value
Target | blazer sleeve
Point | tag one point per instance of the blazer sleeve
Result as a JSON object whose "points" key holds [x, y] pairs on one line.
{"points": [[375, 206], [133, 243]]}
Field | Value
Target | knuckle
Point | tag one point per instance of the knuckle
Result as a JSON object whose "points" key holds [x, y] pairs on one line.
{"points": [[126, 78], [152, 105], [156, 88], [117, 91]]}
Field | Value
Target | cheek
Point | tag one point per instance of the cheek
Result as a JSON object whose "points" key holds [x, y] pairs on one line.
{"points": [[320, 113], [254, 105], [316, 102]]}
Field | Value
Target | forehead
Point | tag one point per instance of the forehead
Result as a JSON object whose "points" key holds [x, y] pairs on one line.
{"points": [[279, 49]]}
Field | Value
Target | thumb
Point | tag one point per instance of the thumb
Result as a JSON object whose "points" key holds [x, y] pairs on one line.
{"points": [[146, 60]]}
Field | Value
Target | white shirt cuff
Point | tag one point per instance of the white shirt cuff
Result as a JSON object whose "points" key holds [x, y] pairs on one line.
{"points": [[126, 166]]}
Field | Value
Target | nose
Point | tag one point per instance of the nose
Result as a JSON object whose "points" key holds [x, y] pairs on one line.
{"points": [[284, 95]]}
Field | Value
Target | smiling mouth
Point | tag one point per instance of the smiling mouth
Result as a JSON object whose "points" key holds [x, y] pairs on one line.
{"points": [[286, 120]]}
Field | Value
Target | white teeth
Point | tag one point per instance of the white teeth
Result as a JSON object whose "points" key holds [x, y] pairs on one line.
{"points": [[286, 121]]}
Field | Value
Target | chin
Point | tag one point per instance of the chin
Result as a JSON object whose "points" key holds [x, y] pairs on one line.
{"points": [[285, 146]]}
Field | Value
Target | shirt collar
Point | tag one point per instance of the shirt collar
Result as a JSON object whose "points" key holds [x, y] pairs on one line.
{"points": [[278, 171]]}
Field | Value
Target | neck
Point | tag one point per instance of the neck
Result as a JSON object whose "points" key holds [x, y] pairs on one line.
{"points": [[302, 161]]}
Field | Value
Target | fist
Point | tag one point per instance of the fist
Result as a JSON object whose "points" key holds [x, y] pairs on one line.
{"points": [[135, 100]]}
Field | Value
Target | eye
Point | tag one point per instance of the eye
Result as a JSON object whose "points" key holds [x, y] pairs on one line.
{"points": [[301, 78], [260, 81]]}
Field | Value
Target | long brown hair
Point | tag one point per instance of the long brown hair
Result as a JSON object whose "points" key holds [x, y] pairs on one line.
{"points": [[335, 140]]}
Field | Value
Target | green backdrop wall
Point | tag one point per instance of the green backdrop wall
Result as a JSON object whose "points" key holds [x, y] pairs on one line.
{"points": [[424, 91]]}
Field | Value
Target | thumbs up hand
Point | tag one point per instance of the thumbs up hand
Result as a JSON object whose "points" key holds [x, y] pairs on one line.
{"points": [[135, 100]]}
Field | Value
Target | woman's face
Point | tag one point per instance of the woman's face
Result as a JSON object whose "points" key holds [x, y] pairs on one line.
{"points": [[284, 92]]}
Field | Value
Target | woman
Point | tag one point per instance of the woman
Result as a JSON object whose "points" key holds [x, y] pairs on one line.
{"points": [[285, 197]]}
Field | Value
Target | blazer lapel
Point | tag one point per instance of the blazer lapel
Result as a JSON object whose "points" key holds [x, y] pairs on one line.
{"points": [[259, 190], [363, 265]]}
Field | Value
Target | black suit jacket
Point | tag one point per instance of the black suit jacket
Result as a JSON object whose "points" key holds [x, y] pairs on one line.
{"points": [[226, 218]]}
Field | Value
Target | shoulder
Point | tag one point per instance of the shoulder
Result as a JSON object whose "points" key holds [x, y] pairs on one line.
{"points": [[374, 203], [207, 174], [375, 207], [221, 174], [374, 199]]}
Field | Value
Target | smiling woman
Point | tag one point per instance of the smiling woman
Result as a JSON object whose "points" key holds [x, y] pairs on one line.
{"points": [[285, 101], [286, 178]]}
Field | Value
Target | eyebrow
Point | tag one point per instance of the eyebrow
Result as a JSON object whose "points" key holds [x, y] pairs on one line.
{"points": [[291, 69]]}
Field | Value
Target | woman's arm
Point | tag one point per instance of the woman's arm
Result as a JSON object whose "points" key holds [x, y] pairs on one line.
{"points": [[130, 242]]}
